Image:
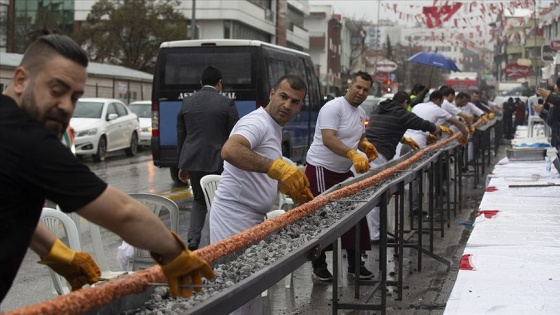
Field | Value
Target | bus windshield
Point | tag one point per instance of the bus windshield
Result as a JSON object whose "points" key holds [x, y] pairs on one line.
{"points": [[184, 68]]}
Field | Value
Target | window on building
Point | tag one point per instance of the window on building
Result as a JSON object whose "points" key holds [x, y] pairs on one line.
{"points": [[227, 29], [32, 14], [3, 27], [241, 31], [295, 17]]}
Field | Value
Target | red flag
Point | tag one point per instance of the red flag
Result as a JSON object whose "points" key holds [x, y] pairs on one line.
{"points": [[436, 15]]}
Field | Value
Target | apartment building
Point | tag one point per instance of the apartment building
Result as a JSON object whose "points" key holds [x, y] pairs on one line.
{"points": [[274, 21]]}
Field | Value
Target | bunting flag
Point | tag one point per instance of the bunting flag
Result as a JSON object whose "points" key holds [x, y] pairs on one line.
{"points": [[473, 20], [436, 15]]}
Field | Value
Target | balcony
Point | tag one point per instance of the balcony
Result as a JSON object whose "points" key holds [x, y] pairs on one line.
{"points": [[298, 36]]}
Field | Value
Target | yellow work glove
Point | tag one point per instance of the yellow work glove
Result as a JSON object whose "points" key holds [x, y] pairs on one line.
{"points": [[431, 139], [491, 115], [411, 143], [77, 268], [472, 129], [446, 130], [361, 164], [483, 119], [464, 140], [185, 270], [291, 181], [369, 149]]}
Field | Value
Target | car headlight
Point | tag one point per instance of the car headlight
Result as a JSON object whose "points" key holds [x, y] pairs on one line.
{"points": [[87, 132]]}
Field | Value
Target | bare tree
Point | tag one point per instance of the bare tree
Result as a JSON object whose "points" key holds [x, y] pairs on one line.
{"points": [[130, 33]]}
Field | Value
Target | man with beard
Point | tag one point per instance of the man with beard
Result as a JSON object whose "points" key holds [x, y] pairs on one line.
{"points": [[254, 170], [35, 110]]}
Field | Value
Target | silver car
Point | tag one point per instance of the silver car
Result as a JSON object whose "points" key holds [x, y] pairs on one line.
{"points": [[143, 109], [104, 125]]}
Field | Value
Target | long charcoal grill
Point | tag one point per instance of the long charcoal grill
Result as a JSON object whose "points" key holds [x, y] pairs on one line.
{"points": [[235, 296], [241, 292]]}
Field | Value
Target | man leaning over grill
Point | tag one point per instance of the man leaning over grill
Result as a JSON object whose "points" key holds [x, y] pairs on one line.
{"points": [[339, 133], [254, 169], [35, 111], [387, 125]]}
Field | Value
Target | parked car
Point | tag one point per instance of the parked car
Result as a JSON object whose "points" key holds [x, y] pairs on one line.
{"points": [[370, 104], [143, 109], [104, 125]]}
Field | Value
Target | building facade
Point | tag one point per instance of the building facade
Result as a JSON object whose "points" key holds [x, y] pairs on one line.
{"points": [[273, 21]]}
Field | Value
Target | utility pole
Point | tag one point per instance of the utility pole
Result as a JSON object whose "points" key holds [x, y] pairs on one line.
{"points": [[193, 20], [536, 49]]}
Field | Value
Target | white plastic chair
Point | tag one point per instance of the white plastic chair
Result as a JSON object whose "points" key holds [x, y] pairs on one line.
{"points": [[77, 220], [209, 184], [57, 222], [156, 203], [97, 242]]}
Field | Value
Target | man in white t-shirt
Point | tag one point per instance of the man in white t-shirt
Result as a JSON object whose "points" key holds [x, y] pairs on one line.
{"points": [[430, 111], [339, 132], [254, 169], [470, 108], [450, 107]]}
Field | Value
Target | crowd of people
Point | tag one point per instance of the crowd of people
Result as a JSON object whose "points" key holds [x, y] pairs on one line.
{"points": [[37, 105]]}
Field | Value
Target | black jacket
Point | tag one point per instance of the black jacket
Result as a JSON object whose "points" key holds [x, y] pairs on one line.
{"points": [[389, 122], [203, 125], [553, 118]]}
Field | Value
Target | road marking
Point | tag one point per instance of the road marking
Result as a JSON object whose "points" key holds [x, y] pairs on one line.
{"points": [[177, 193]]}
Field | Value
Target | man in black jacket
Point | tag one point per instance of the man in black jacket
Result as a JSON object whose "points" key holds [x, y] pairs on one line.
{"points": [[387, 125], [203, 125], [509, 108], [475, 96]]}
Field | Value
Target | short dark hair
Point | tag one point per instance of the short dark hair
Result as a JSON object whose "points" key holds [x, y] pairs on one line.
{"points": [[417, 88], [49, 44], [436, 95], [462, 95], [210, 76], [401, 97], [446, 91], [295, 82], [362, 74]]}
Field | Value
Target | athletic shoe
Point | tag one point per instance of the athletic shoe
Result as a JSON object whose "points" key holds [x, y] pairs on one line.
{"points": [[322, 273], [364, 273]]}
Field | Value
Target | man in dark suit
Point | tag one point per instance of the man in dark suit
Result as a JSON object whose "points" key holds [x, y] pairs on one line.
{"points": [[204, 123]]}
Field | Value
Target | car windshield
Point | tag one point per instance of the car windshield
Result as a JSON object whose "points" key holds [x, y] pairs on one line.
{"points": [[88, 109], [141, 110]]}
